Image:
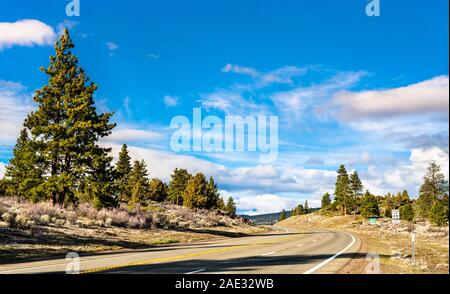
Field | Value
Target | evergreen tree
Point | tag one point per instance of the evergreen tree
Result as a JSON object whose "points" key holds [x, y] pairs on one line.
{"points": [[231, 207], [157, 190], [356, 187], [66, 126], [221, 204], [138, 182], [283, 215], [342, 190], [432, 191], [388, 204], [300, 209], [212, 195], [3, 187], [407, 212], [439, 214], [177, 185], [25, 171], [98, 187], [123, 172], [306, 207], [326, 201], [195, 194], [369, 205], [294, 211]]}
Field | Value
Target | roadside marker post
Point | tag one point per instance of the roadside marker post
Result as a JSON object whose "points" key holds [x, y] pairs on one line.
{"points": [[413, 245], [395, 214]]}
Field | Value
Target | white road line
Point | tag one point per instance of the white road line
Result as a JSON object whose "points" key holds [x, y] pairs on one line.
{"points": [[300, 245], [268, 253], [323, 263], [197, 271]]}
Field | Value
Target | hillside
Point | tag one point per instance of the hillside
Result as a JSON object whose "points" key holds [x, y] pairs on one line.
{"points": [[392, 243], [269, 218], [30, 230], [266, 219]]}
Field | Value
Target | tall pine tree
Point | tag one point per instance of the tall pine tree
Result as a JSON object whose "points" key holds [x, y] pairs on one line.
{"points": [[433, 192], [123, 172], [138, 182], [230, 208], [66, 128], [24, 173], [195, 194], [356, 187], [326, 201], [342, 189], [212, 195], [157, 190], [177, 185]]}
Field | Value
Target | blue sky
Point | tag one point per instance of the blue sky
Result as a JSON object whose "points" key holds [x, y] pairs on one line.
{"points": [[369, 92]]}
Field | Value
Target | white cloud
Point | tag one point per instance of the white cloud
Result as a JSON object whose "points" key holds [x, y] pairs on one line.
{"points": [[27, 32], [66, 24], [231, 103], [283, 75], [293, 104], [424, 97], [126, 106], [153, 56], [381, 179], [112, 46], [170, 101], [2, 169], [240, 70], [129, 135], [266, 203], [15, 105]]}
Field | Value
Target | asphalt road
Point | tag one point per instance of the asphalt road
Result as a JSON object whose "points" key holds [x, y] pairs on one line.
{"points": [[282, 251]]}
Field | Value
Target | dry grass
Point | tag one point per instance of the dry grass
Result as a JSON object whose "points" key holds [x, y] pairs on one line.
{"points": [[391, 243], [41, 230]]}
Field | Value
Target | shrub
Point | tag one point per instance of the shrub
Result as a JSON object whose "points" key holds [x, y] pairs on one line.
{"points": [[9, 219]]}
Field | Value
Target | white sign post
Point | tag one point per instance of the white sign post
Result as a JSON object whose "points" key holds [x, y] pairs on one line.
{"points": [[413, 251], [395, 216]]}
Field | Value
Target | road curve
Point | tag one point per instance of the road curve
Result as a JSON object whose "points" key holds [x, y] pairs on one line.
{"points": [[281, 251]]}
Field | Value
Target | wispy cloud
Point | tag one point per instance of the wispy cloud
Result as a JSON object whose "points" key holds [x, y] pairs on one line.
{"points": [[66, 24], [170, 101], [15, 104], [283, 75], [153, 56], [430, 96], [293, 104], [112, 48], [27, 32], [126, 106]]}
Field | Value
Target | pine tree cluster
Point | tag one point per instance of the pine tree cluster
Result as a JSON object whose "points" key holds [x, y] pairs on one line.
{"points": [[58, 156], [432, 203]]}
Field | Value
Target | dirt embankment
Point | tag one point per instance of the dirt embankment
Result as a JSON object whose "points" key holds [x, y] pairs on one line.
{"points": [[386, 248]]}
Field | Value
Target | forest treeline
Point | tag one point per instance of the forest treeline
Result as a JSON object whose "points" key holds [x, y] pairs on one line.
{"points": [[349, 198], [57, 156]]}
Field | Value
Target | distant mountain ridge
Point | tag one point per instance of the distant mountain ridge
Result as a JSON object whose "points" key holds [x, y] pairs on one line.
{"points": [[269, 218]]}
